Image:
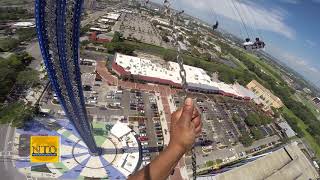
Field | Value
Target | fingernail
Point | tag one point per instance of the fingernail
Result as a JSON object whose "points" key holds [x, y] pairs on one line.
{"points": [[188, 102]]}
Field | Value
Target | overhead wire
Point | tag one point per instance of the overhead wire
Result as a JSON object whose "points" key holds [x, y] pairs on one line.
{"points": [[257, 28], [215, 21], [241, 18], [214, 13], [247, 15], [236, 16]]}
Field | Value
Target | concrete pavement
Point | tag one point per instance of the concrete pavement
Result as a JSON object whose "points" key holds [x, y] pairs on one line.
{"points": [[7, 169]]}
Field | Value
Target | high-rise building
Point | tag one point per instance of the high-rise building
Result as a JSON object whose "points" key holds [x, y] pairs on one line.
{"points": [[58, 29]]}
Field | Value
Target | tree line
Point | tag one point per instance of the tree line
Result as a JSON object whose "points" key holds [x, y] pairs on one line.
{"points": [[283, 91]]}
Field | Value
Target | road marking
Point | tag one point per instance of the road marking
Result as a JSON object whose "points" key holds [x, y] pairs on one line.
{"points": [[6, 145]]}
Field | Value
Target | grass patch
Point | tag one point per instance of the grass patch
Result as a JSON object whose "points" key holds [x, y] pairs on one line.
{"points": [[268, 68], [303, 127], [300, 97]]}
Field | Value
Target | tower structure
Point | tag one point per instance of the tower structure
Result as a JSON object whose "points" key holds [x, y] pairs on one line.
{"points": [[58, 29]]}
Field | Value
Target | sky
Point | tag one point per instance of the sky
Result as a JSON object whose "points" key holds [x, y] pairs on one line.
{"points": [[290, 28]]}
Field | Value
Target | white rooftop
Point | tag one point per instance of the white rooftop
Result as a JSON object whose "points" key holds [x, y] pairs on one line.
{"points": [[196, 77], [120, 129], [113, 16], [24, 24], [288, 130]]}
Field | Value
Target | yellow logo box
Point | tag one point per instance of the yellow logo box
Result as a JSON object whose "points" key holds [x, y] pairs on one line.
{"points": [[44, 149]]}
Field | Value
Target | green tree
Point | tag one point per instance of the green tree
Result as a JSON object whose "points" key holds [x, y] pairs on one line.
{"points": [[85, 42], [120, 47], [219, 161], [17, 113], [8, 44], [209, 163], [236, 118], [256, 133], [253, 119], [14, 13], [85, 29], [117, 37], [246, 140], [264, 119], [194, 41], [26, 34], [170, 56], [275, 112], [9, 69], [195, 52], [28, 78]]}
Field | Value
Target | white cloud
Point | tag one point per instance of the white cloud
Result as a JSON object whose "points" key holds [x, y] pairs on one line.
{"points": [[310, 43], [255, 16], [300, 64], [291, 1], [314, 69]]}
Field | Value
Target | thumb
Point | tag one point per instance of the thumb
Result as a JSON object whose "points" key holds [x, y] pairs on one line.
{"points": [[187, 111]]}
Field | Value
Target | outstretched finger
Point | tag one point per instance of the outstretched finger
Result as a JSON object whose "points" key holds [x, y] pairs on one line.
{"points": [[176, 115], [195, 113], [187, 111], [196, 121], [198, 129]]}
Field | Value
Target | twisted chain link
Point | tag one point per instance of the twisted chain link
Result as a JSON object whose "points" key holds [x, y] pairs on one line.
{"points": [[183, 74]]}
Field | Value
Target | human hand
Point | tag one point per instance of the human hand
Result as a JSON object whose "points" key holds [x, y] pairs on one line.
{"points": [[185, 127]]}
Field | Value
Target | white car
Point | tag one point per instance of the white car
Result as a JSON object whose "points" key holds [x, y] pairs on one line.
{"points": [[143, 134], [144, 143], [145, 163], [146, 158]]}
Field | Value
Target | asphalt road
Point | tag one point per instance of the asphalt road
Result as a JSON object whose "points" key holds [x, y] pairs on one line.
{"points": [[7, 169]]}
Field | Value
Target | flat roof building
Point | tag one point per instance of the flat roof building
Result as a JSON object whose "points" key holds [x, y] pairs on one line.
{"points": [[24, 25], [161, 21], [266, 97], [112, 16], [287, 130], [288, 162], [167, 73]]}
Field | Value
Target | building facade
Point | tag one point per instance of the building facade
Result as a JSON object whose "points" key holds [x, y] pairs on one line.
{"points": [[58, 29], [316, 100], [145, 70], [267, 98]]}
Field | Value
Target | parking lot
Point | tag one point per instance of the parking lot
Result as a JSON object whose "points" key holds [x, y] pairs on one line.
{"points": [[137, 108], [220, 133], [136, 26]]}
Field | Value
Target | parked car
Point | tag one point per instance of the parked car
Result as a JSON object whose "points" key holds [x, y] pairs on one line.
{"points": [[145, 158], [143, 138], [158, 129], [145, 163], [146, 155], [144, 143]]}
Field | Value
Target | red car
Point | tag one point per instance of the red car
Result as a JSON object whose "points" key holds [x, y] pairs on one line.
{"points": [[143, 138]]}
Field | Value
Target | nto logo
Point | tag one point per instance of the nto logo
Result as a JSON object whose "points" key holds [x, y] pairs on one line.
{"points": [[44, 149]]}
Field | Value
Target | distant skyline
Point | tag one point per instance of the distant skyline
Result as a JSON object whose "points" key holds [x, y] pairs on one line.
{"points": [[289, 27]]}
